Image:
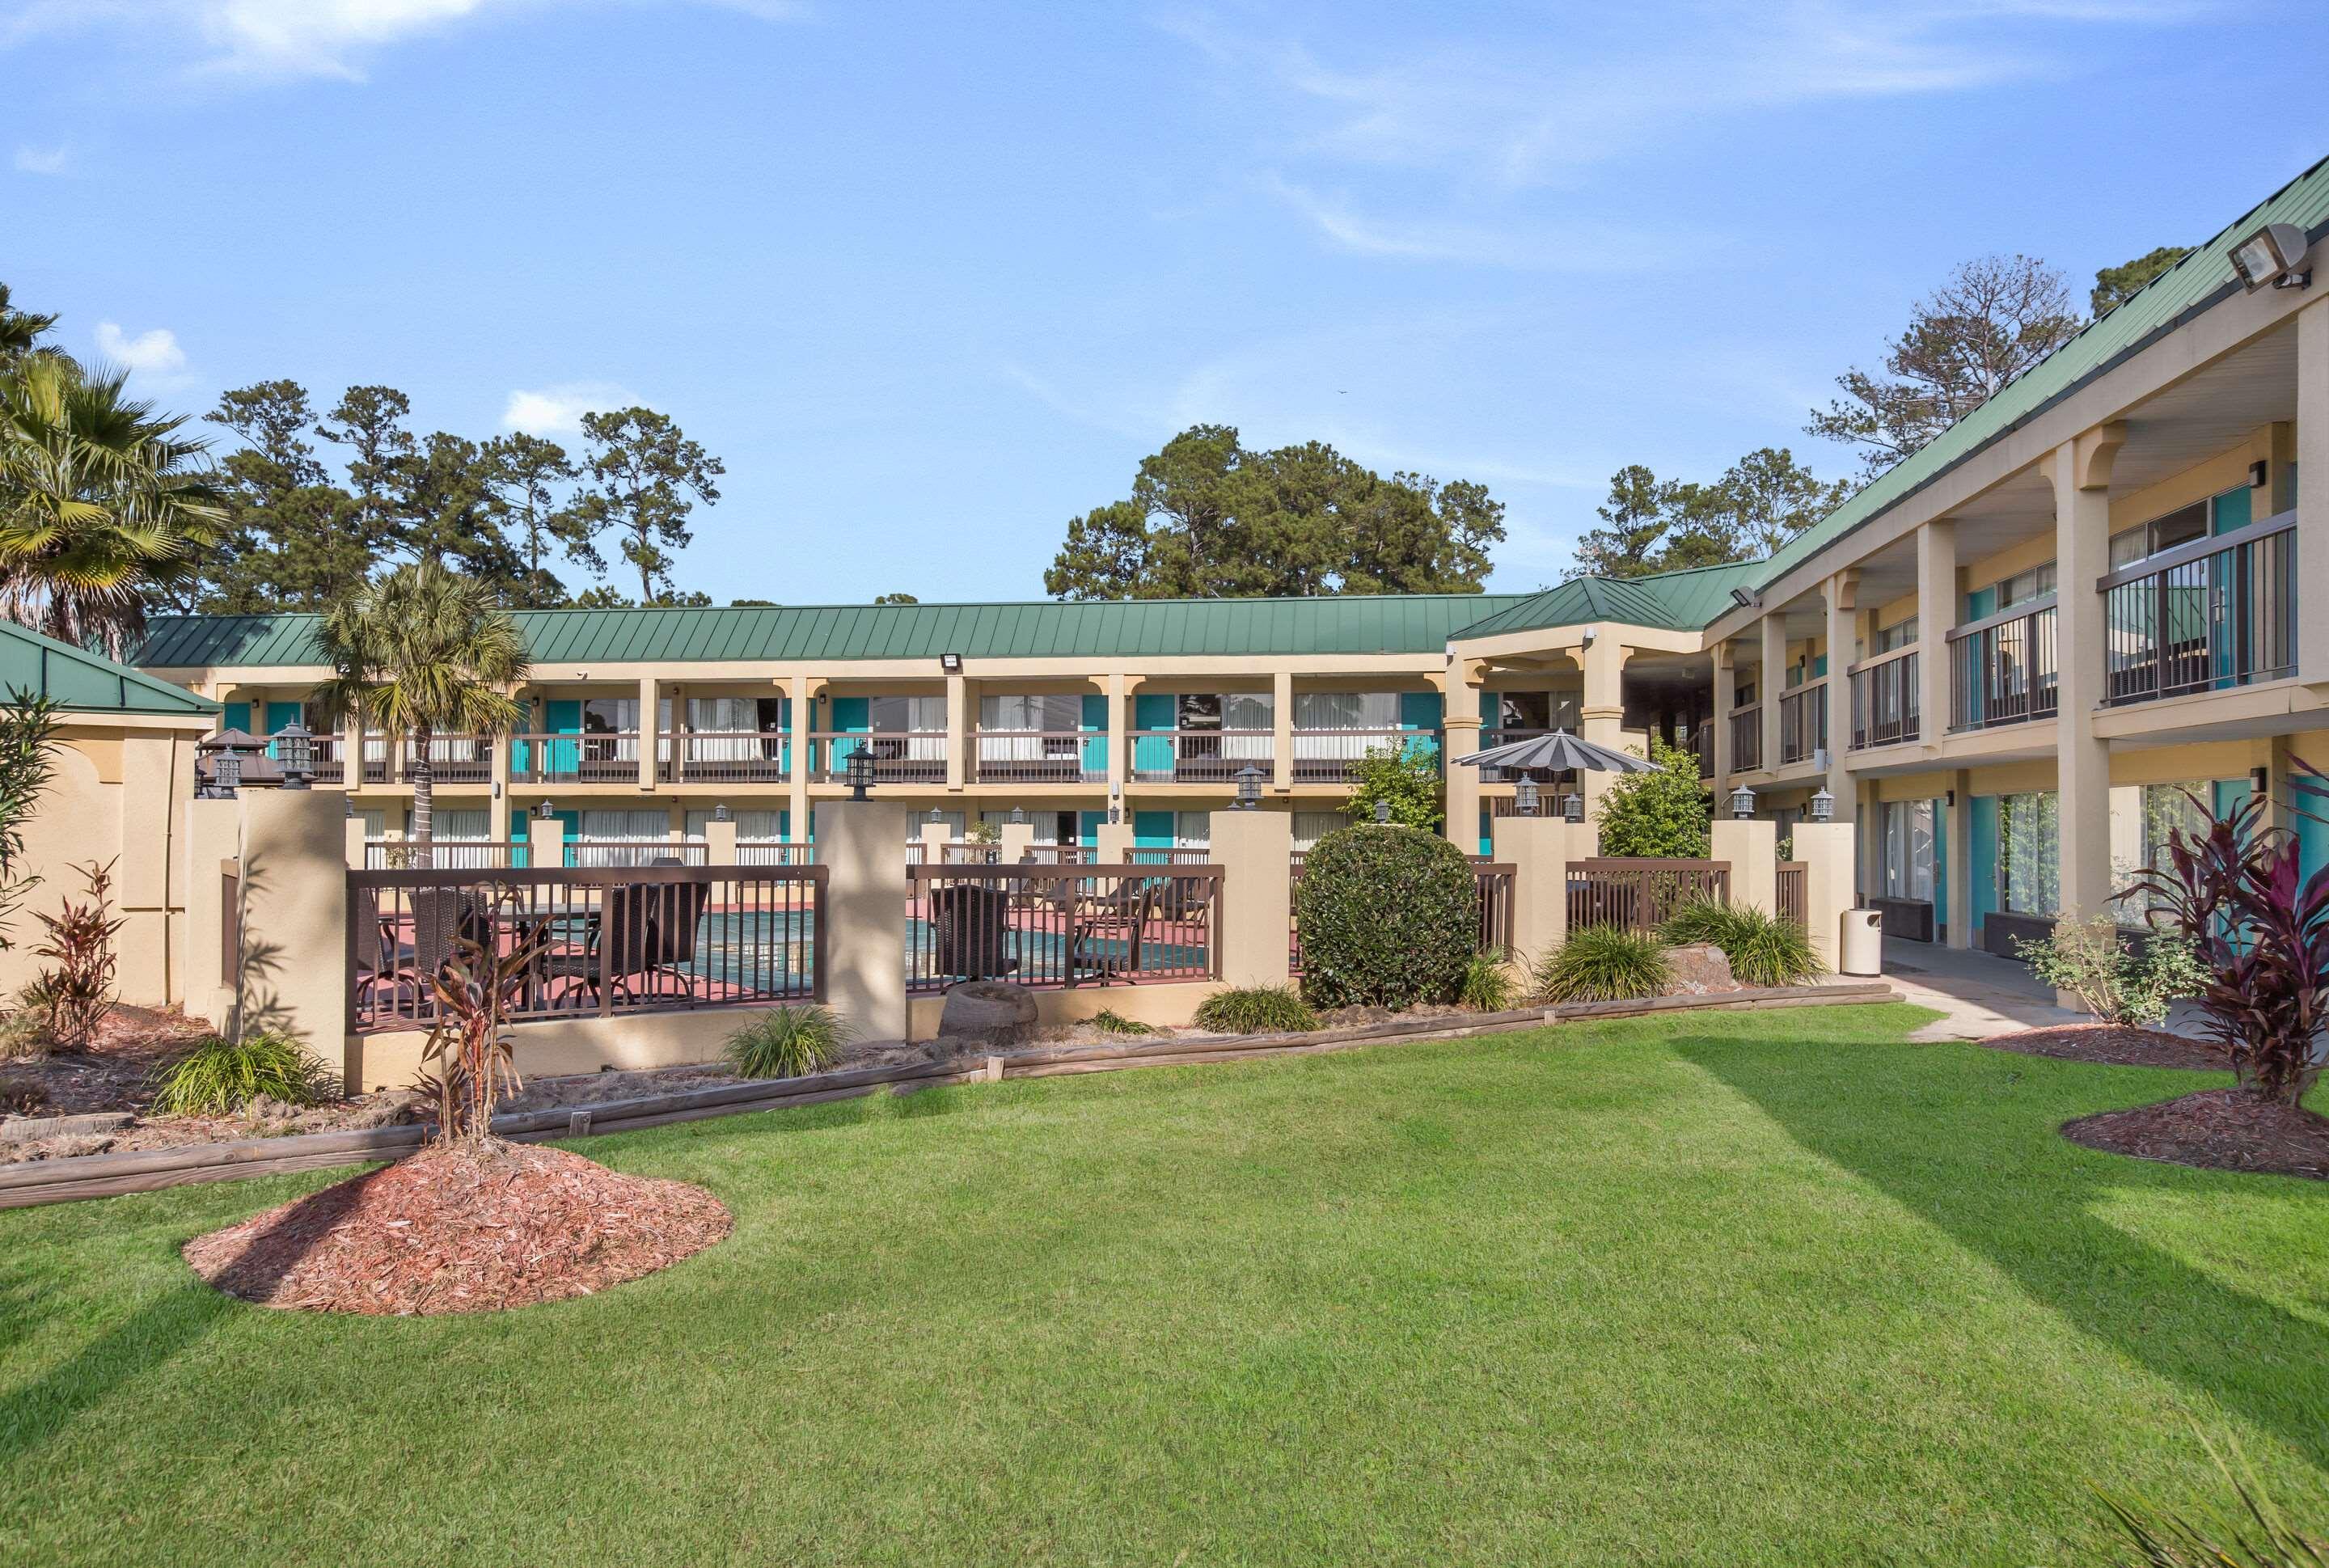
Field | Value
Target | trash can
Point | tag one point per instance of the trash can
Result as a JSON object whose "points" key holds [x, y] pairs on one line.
{"points": [[1861, 950]]}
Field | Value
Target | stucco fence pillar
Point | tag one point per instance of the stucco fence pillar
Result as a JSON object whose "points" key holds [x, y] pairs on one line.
{"points": [[1752, 849], [268, 949], [1827, 850], [860, 844], [1254, 850], [1540, 850]]}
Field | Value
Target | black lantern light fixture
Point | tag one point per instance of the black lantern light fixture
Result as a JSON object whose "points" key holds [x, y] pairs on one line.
{"points": [[226, 772], [1742, 803], [859, 771], [1823, 807], [1382, 814], [1572, 806], [1248, 782], [1524, 796], [542, 813], [1018, 817], [720, 813], [295, 754]]}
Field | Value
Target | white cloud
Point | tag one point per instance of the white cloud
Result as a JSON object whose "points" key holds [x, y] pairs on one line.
{"points": [[279, 38], [154, 355], [554, 411], [33, 160], [1571, 248]]}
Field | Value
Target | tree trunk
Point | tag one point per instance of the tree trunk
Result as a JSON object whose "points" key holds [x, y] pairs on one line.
{"points": [[424, 816]]}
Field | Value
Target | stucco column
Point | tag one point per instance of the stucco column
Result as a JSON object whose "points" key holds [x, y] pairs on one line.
{"points": [[1752, 848], [545, 842], [1827, 850], [214, 840], [1461, 724], [291, 973], [2312, 445], [958, 700], [1256, 903], [1281, 721], [1018, 838], [857, 841], [720, 842], [1770, 682], [1601, 717], [1726, 695], [1540, 850], [2081, 478], [1958, 804], [797, 777], [1114, 843], [1937, 612], [1840, 593], [352, 829], [351, 754]]}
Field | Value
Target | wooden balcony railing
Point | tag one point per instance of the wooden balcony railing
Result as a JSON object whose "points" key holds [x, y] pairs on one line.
{"points": [[1039, 757], [2210, 614], [899, 756], [2002, 668], [1199, 756], [1747, 739], [1885, 703], [1803, 722]]}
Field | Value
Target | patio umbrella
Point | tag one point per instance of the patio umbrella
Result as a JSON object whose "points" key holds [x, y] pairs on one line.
{"points": [[1558, 752]]}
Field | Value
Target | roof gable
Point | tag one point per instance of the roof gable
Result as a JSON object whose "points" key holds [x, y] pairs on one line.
{"points": [[84, 682]]}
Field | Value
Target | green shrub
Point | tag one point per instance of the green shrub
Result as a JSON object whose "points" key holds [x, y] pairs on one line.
{"points": [[1660, 813], [1763, 950], [787, 1042], [1108, 1021], [1388, 916], [1604, 964], [2089, 960], [1403, 775], [25, 1033], [1489, 984], [220, 1076], [1255, 1010]]}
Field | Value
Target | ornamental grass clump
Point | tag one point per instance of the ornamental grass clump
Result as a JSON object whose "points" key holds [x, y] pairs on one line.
{"points": [[1490, 985], [220, 1075], [1389, 917], [1604, 964], [1255, 1010], [1762, 949], [787, 1042]]}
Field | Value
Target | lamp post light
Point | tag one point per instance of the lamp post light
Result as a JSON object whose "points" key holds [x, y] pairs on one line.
{"points": [[227, 772], [1742, 803], [720, 813], [859, 771], [1572, 806], [1382, 814], [1248, 786], [1018, 817], [1823, 807], [1524, 796], [542, 813], [294, 753]]}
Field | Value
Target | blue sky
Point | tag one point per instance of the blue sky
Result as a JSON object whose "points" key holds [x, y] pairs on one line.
{"points": [[931, 279]]}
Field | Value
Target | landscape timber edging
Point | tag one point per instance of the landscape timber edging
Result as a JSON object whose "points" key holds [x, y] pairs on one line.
{"points": [[96, 1176]]}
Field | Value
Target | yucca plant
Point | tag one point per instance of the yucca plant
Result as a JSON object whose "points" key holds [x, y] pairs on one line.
{"points": [[1490, 985], [1108, 1021], [220, 1076], [1256, 1010], [1763, 948], [787, 1042], [1698, 922], [1603, 964]]}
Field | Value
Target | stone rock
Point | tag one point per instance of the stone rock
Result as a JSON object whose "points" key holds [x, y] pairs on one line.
{"points": [[986, 1012], [1698, 970], [37, 1129]]}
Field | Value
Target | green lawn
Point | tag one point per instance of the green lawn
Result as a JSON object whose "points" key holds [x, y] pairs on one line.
{"points": [[1771, 1287]]}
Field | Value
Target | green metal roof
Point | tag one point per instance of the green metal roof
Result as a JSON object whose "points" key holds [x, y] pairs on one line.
{"points": [[1675, 600], [84, 682], [1146, 627], [2202, 279]]}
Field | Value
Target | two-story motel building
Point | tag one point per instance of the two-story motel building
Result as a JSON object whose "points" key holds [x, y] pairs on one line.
{"points": [[2005, 660]]}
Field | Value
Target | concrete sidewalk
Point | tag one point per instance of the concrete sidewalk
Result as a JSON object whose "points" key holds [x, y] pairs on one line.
{"points": [[1980, 994]]}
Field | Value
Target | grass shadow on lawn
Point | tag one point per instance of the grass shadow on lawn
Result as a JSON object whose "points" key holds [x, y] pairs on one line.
{"points": [[1986, 1134]]}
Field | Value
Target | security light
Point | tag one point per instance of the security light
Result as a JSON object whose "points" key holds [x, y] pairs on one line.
{"points": [[2273, 255], [1248, 786], [1586, 637], [1823, 807], [1742, 599], [950, 663], [1524, 796], [1742, 803]]}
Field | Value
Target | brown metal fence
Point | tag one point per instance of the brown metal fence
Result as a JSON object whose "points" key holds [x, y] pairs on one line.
{"points": [[1794, 898], [602, 939], [1062, 925], [1637, 894]]}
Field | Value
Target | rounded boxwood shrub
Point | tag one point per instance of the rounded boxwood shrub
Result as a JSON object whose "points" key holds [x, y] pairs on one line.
{"points": [[1388, 916]]}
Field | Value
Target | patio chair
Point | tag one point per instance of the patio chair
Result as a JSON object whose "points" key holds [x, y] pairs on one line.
{"points": [[601, 966], [1119, 917], [673, 919], [442, 918]]}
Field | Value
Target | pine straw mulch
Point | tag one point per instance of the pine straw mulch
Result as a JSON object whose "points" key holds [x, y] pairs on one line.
{"points": [[2214, 1129], [2117, 1045], [460, 1230]]}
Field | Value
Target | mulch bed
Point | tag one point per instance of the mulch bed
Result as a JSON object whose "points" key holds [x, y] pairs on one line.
{"points": [[2117, 1045], [113, 1075], [2214, 1129], [461, 1231]]}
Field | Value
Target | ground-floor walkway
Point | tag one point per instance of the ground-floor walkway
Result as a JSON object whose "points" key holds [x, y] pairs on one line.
{"points": [[1981, 994]]}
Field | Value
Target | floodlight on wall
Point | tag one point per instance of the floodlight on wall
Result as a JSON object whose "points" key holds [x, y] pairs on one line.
{"points": [[950, 663], [1823, 807], [2259, 474], [1586, 637], [1744, 599], [2273, 255], [1742, 803], [1821, 759], [1572, 806], [1248, 786]]}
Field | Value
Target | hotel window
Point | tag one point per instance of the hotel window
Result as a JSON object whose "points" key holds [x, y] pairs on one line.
{"points": [[1347, 711], [1905, 849], [736, 715], [1310, 826], [2029, 854], [1207, 711], [2144, 819], [1899, 634], [906, 715], [2023, 586], [2178, 527], [1193, 829], [1056, 714], [764, 827]]}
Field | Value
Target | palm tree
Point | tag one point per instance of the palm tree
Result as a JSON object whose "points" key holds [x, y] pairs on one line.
{"points": [[419, 652], [103, 505], [21, 330]]}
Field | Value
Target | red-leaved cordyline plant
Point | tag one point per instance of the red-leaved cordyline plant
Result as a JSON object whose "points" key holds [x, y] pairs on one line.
{"points": [[470, 1064], [2260, 928], [77, 989]]}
